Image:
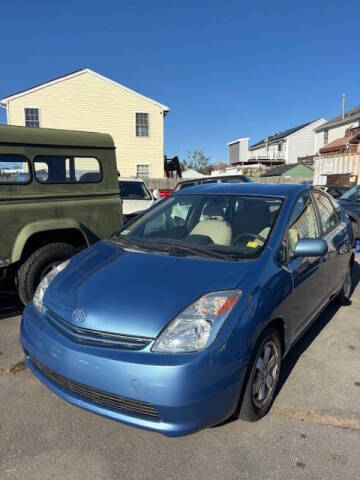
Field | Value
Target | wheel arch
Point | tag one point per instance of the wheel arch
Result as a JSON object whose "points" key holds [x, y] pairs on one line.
{"points": [[37, 234]]}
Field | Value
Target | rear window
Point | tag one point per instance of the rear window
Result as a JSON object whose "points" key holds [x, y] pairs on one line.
{"points": [[134, 191], [67, 169], [14, 169]]}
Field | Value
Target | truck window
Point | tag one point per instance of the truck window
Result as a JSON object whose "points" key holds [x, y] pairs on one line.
{"points": [[67, 169], [14, 169]]}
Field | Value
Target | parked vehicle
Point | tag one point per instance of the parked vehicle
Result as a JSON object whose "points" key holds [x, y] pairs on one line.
{"points": [[334, 190], [163, 192], [58, 195], [135, 196], [183, 317], [350, 201], [212, 179]]}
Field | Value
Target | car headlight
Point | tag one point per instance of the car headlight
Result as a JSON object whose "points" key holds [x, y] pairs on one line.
{"points": [[196, 327], [45, 282]]}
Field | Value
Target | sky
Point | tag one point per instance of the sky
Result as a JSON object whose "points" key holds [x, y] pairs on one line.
{"points": [[227, 69]]}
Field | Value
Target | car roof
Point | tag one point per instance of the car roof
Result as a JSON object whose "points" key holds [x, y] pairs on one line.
{"points": [[211, 177], [273, 189], [14, 135]]}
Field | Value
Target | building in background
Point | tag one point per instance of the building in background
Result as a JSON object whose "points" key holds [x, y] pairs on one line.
{"points": [[285, 147], [238, 151], [338, 144], [336, 127], [86, 100]]}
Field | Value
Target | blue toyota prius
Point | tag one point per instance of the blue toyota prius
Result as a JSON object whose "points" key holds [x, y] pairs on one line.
{"points": [[183, 317]]}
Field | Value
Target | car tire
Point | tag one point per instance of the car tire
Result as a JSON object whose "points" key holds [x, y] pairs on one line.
{"points": [[253, 407], [345, 293], [38, 265]]}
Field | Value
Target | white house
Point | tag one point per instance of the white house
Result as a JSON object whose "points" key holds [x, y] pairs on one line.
{"points": [[336, 127], [279, 148]]}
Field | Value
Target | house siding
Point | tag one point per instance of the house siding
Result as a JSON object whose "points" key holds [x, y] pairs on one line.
{"points": [[89, 102], [302, 142], [234, 152]]}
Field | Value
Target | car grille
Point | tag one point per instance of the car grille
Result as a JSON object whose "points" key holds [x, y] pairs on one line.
{"points": [[95, 337], [96, 396]]}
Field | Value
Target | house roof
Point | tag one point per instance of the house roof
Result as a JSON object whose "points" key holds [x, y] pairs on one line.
{"points": [[341, 143], [280, 170], [4, 101], [12, 135], [238, 140], [216, 166], [349, 117], [276, 137]]}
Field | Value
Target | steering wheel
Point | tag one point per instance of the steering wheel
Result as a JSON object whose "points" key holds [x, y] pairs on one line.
{"points": [[245, 235]]}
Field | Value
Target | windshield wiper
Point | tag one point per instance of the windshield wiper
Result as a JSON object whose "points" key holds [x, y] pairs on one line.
{"points": [[172, 248], [125, 242]]}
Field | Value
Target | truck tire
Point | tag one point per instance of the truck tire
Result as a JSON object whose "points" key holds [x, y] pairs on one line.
{"points": [[38, 265]]}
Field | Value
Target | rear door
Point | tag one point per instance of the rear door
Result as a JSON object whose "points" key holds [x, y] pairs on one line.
{"points": [[335, 233], [309, 274]]}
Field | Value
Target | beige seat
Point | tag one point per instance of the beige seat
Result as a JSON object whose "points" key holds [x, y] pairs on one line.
{"points": [[214, 226]]}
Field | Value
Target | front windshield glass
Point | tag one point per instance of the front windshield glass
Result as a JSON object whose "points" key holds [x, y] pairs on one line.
{"points": [[235, 226], [133, 191], [353, 194]]}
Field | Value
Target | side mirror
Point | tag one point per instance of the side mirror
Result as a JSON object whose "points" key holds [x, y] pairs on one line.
{"points": [[311, 247], [156, 194]]}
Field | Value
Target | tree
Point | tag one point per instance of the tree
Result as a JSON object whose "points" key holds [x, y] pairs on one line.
{"points": [[196, 160]]}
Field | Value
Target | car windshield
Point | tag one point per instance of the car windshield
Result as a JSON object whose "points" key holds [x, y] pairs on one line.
{"points": [[353, 194], [134, 190], [223, 226]]}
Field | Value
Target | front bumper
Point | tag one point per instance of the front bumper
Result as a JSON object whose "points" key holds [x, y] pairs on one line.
{"points": [[188, 392]]}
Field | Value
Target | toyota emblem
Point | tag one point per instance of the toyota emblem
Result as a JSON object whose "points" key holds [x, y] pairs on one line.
{"points": [[79, 315]]}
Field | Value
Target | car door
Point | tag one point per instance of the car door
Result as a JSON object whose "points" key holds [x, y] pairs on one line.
{"points": [[309, 274], [335, 233]]}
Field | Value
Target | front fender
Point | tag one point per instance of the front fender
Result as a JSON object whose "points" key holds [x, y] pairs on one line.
{"points": [[43, 226]]}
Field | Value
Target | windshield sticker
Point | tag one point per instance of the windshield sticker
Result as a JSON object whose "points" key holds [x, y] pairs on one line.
{"points": [[252, 244], [125, 232]]}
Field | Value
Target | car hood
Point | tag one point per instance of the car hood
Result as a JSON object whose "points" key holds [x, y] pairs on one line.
{"points": [[133, 206], [135, 293]]}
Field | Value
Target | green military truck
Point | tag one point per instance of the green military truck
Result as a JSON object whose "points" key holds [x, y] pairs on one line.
{"points": [[59, 193]]}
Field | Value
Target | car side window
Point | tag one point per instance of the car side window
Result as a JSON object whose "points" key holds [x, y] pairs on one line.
{"points": [[67, 169], [303, 222], [328, 215], [14, 169]]}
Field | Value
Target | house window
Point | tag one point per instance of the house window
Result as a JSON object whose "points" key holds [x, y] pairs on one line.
{"points": [[143, 170], [280, 147], [32, 117], [326, 137], [142, 124]]}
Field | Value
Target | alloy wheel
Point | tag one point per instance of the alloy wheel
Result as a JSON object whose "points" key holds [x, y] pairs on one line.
{"points": [[265, 377]]}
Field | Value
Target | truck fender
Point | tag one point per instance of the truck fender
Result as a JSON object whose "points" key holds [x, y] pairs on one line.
{"points": [[43, 226]]}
